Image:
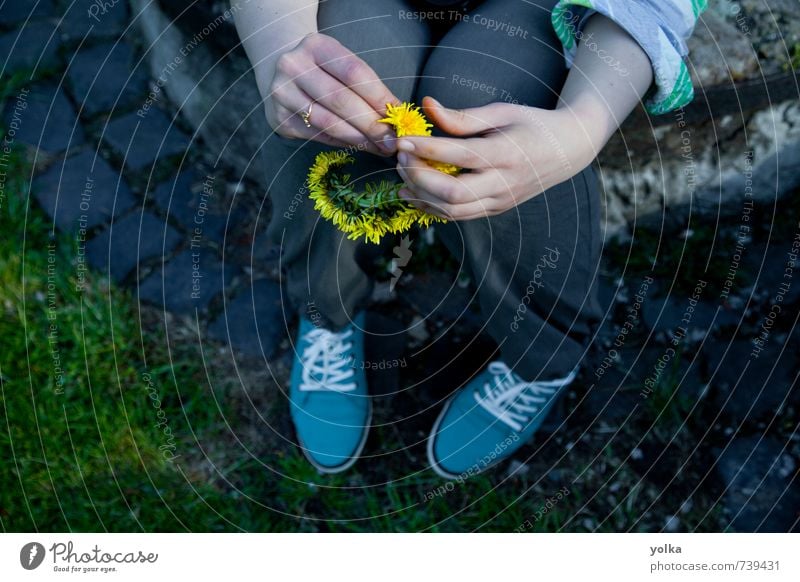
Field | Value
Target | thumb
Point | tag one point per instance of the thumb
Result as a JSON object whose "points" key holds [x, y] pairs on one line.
{"points": [[463, 122]]}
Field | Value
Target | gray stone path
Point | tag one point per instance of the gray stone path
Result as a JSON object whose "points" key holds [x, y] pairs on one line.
{"points": [[116, 170]]}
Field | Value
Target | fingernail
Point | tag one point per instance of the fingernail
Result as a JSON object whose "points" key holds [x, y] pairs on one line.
{"points": [[402, 157], [405, 145], [388, 144]]}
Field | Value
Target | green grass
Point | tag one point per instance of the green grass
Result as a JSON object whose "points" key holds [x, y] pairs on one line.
{"points": [[794, 59]]}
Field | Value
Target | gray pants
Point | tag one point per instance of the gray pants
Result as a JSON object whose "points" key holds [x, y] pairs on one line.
{"points": [[535, 265]]}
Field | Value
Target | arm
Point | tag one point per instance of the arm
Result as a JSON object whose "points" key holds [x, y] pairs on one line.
{"points": [[661, 27], [516, 152], [270, 28], [296, 66], [609, 76]]}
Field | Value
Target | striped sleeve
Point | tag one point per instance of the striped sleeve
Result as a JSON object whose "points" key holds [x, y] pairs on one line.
{"points": [[661, 27]]}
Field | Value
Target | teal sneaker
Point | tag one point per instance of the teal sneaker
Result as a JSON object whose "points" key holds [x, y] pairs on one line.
{"points": [[330, 406], [490, 418]]}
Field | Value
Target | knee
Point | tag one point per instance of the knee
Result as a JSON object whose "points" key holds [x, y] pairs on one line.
{"points": [[472, 80], [480, 62], [394, 47]]}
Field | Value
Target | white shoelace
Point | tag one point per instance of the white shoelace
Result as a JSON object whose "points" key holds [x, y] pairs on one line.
{"points": [[512, 400], [324, 366]]}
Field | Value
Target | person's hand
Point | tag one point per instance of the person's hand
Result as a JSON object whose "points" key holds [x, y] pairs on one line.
{"points": [[512, 152], [348, 97]]}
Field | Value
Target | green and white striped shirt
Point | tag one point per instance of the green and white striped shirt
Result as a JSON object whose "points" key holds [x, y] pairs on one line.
{"points": [[661, 27]]}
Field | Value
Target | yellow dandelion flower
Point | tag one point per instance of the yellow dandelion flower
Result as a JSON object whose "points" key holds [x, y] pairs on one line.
{"points": [[406, 120], [444, 167]]}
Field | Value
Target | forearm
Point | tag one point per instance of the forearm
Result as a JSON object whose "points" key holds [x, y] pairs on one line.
{"points": [[609, 76], [268, 28]]}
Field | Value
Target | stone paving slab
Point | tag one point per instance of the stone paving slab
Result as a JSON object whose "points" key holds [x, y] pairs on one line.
{"points": [[107, 18], [134, 238], [748, 387], [187, 282], [757, 493], [100, 78], [252, 321], [143, 140], [17, 11], [48, 120], [82, 191], [35, 46], [191, 205]]}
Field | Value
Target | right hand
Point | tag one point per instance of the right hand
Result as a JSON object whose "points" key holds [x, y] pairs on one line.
{"points": [[348, 96]]}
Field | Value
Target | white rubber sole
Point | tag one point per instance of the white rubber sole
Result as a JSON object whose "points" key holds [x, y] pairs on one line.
{"points": [[351, 461], [431, 460]]}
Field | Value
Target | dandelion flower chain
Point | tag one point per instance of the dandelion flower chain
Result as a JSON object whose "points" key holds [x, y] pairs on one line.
{"points": [[377, 210]]}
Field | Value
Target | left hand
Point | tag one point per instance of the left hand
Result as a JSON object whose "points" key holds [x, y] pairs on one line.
{"points": [[513, 152]]}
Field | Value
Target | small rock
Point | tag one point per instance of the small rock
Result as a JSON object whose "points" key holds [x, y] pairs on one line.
{"points": [[787, 466], [382, 292], [672, 523], [417, 329], [517, 469], [556, 475], [720, 52], [757, 497]]}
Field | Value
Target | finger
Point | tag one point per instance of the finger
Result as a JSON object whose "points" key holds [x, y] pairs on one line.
{"points": [[469, 211], [344, 103], [352, 71], [471, 153], [453, 189], [294, 128], [471, 121], [441, 186], [295, 101], [418, 196], [421, 200]]}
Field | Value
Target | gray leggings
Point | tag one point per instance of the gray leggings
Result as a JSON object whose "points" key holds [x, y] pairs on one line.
{"points": [[534, 266]]}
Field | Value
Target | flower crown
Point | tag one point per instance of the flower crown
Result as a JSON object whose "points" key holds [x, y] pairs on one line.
{"points": [[377, 209]]}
